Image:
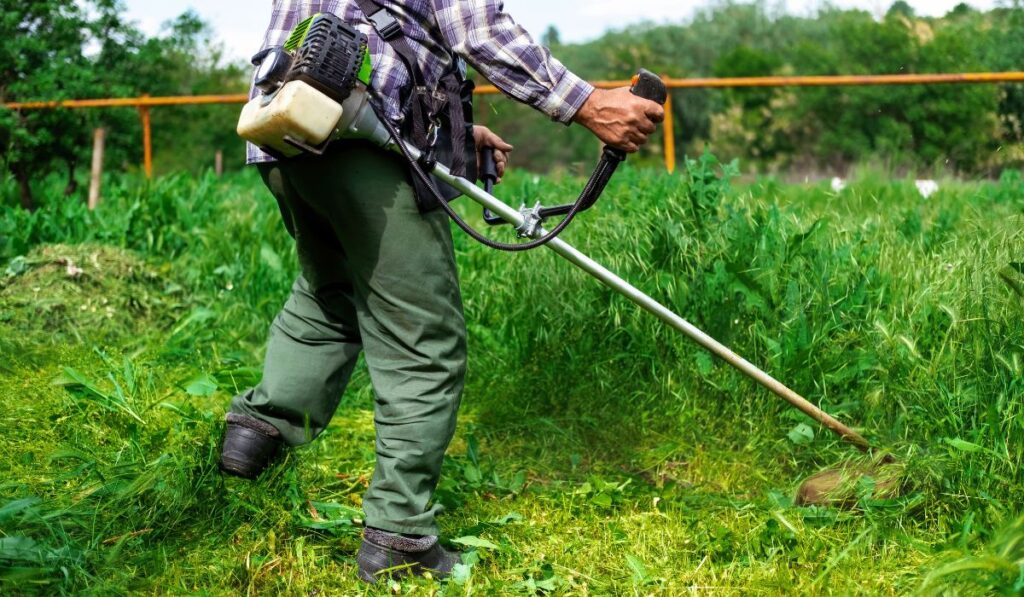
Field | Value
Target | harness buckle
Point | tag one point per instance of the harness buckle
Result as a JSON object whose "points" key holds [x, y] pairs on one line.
{"points": [[429, 157], [386, 24], [432, 134]]}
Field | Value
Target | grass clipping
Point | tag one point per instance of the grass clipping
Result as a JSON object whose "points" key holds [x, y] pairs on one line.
{"points": [[59, 290]]}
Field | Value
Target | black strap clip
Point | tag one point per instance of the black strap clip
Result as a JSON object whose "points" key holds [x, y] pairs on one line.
{"points": [[386, 24]]}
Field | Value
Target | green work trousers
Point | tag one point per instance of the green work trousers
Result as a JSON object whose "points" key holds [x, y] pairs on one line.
{"points": [[378, 277]]}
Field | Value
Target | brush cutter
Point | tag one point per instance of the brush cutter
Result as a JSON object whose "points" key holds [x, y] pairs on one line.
{"points": [[822, 488], [301, 114]]}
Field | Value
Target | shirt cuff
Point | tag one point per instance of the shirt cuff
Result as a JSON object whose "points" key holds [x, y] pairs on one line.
{"points": [[566, 98]]}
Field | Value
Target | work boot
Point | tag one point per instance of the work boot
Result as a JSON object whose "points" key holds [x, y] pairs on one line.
{"points": [[250, 445], [390, 555]]}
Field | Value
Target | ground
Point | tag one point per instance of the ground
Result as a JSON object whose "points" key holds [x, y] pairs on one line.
{"points": [[597, 453]]}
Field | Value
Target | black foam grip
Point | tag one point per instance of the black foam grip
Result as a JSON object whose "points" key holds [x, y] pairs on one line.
{"points": [[649, 86], [488, 168]]}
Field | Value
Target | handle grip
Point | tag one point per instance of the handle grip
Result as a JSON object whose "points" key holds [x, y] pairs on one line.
{"points": [[489, 176], [488, 168], [649, 86]]}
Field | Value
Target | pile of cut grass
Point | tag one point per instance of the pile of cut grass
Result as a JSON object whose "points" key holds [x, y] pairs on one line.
{"points": [[55, 291], [598, 452]]}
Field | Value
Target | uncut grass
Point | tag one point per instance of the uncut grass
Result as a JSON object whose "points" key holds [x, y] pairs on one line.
{"points": [[599, 451]]}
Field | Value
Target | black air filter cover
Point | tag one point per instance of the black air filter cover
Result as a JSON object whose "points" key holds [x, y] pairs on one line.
{"points": [[330, 57]]}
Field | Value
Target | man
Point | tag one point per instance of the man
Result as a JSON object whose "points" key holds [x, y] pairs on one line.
{"points": [[379, 276]]}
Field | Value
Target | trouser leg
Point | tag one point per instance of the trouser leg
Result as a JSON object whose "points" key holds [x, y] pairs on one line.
{"points": [[310, 357], [315, 341], [409, 311]]}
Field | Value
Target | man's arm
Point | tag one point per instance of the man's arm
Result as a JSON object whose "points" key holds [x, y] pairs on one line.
{"points": [[503, 51]]}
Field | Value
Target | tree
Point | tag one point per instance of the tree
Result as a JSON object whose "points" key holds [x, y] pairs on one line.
{"points": [[960, 10], [551, 37], [900, 8], [1005, 52], [53, 50], [185, 59], [43, 55]]}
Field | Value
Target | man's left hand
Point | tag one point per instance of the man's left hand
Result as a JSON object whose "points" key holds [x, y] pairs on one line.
{"points": [[485, 137]]}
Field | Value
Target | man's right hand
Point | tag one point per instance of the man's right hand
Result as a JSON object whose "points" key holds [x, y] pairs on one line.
{"points": [[619, 118]]}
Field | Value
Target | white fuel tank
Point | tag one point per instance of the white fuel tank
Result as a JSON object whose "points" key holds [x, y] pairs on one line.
{"points": [[296, 110]]}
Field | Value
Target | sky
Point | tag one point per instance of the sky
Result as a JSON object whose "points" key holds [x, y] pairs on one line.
{"points": [[240, 23]]}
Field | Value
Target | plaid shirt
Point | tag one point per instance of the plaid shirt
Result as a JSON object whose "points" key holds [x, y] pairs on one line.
{"points": [[478, 31]]}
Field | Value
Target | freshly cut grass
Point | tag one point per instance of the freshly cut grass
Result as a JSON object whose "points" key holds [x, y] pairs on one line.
{"points": [[598, 452], [58, 291]]}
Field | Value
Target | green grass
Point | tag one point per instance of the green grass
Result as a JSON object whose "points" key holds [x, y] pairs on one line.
{"points": [[598, 452]]}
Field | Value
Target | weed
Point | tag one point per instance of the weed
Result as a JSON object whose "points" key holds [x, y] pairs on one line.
{"points": [[598, 452]]}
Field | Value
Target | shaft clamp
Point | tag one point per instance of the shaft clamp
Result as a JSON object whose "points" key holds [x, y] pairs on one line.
{"points": [[533, 217]]}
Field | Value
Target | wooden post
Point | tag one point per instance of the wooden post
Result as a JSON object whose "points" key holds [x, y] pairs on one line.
{"points": [[147, 140], [670, 135], [218, 163], [96, 177]]}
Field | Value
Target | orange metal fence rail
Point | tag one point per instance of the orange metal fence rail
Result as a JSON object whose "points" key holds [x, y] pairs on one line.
{"points": [[133, 102], [815, 81], [143, 104]]}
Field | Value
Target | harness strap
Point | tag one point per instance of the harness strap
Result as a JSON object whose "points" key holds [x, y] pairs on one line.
{"points": [[390, 31], [457, 118], [424, 105]]}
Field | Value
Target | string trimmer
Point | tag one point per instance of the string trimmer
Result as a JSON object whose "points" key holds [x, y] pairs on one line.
{"points": [[316, 91]]}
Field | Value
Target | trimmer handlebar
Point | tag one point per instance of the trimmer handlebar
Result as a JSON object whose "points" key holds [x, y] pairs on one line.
{"points": [[649, 86], [488, 169], [646, 85]]}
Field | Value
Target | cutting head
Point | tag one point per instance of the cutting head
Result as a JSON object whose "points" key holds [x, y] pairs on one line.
{"points": [[843, 486]]}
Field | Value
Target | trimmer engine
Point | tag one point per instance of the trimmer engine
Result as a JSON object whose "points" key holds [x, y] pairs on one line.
{"points": [[329, 55], [313, 89]]}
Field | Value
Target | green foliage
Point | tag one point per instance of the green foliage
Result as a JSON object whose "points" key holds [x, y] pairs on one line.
{"points": [[54, 50], [79, 50], [187, 60], [43, 57], [997, 570], [900, 9], [925, 126], [958, 128], [598, 452]]}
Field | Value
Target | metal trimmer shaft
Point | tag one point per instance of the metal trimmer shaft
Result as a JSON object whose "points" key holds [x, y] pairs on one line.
{"points": [[662, 312]]}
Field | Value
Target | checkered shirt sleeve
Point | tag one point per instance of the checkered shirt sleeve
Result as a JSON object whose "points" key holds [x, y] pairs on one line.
{"points": [[481, 32]]}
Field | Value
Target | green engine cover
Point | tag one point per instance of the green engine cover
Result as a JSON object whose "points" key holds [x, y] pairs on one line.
{"points": [[329, 54]]}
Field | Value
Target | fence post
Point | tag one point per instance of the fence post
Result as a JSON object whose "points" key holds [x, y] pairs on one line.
{"points": [[96, 175], [670, 135], [147, 140], [218, 163]]}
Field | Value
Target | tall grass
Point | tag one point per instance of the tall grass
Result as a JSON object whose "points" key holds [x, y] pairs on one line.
{"points": [[599, 450]]}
